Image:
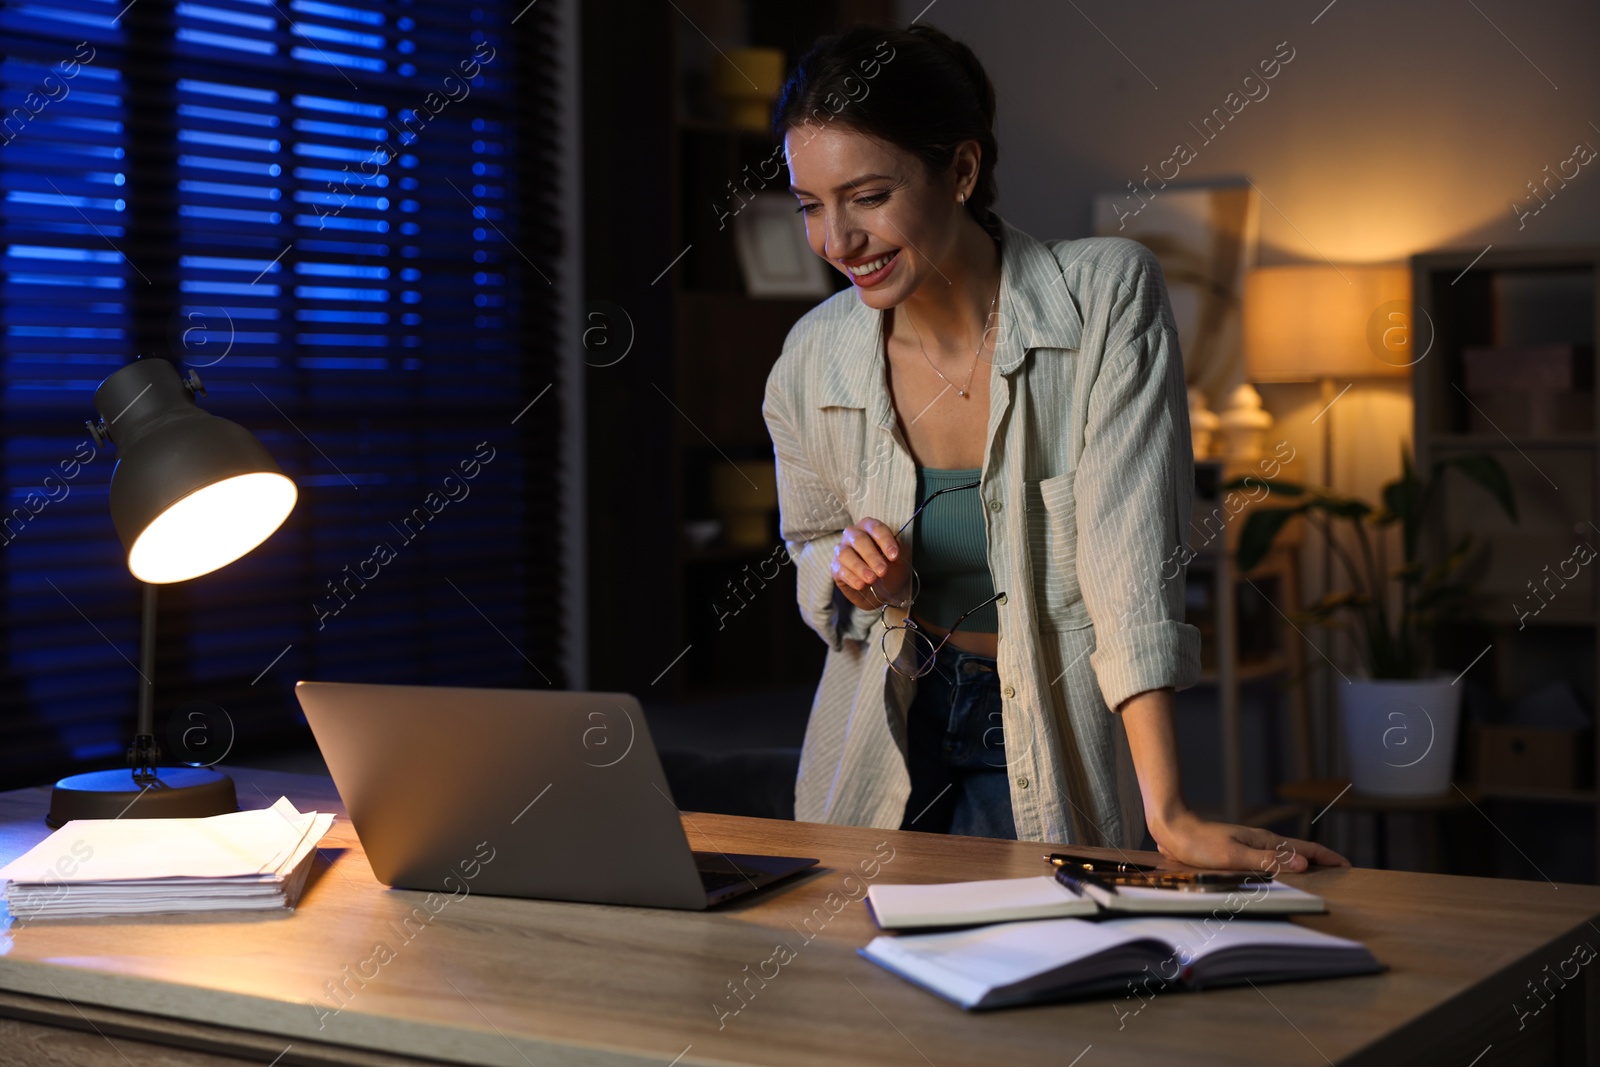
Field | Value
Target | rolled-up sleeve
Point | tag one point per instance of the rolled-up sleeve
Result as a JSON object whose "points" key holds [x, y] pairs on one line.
{"points": [[811, 519], [1134, 485]]}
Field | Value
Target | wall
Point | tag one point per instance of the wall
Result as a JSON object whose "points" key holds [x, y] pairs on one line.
{"points": [[1392, 130]]}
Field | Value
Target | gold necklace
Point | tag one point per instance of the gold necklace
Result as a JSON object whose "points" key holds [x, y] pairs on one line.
{"points": [[961, 390]]}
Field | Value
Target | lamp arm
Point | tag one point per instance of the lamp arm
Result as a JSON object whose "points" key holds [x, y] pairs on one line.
{"points": [[144, 753]]}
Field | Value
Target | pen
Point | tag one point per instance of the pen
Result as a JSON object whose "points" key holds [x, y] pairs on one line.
{"points": [[1076, 880], [1089, 863]]}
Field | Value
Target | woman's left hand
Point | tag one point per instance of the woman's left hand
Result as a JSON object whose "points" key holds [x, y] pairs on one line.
{"points": [[1224, 846]]}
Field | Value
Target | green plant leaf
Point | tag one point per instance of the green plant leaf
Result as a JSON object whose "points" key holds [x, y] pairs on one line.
{"points": [[1261, 526], [1411, 572], [1343, 507], [1345, 599], [1485, 471], [1396, 649], [1331, 620], [1250, 481], [1403, 496], [1452, 562]]}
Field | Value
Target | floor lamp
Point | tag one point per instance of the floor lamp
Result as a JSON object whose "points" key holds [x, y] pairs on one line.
{"points": [[190, 493], [1334, 326]]}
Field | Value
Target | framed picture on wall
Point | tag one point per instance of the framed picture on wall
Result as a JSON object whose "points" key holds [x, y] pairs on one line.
{"points": [[774, 256], [1205, 237]]}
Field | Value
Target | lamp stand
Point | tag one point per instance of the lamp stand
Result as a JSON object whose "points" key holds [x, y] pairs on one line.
{"points": [[142, 790], [1330, 695]]}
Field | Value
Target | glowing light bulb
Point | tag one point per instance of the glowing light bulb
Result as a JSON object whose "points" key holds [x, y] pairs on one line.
{"points": [[211, 527]]}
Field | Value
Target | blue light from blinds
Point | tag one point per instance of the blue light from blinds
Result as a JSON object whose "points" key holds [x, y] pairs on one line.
{"points": [[344, 275], [341, 107], [236, 18], [66, 320], [339, 11], [81, 18], [345, 37], [234, 92], [227, 115], [224, 40], [335, 59]]}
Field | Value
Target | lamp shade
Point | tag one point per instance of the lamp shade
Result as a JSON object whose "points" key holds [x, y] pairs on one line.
{"points": [[1302, 323], [191, 492]]}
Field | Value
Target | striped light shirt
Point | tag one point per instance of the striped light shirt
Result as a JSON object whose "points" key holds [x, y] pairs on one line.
{"points": [[1086, 485]]}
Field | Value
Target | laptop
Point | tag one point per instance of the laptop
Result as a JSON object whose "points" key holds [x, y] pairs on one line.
{"points": [[518, 793]]}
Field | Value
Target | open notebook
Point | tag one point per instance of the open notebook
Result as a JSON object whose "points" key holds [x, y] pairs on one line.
{"points": [[245, 860], [909, 907], [1053, 959]]}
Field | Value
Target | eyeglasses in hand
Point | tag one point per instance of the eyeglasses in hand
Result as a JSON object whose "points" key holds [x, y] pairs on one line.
{"points": [[919, 649]]}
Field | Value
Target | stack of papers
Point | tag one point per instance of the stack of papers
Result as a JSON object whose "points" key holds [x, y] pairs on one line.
{"points": [[245, 860]]}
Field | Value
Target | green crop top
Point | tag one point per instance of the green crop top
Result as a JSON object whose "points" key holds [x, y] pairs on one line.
{"points": [[950, 551]]}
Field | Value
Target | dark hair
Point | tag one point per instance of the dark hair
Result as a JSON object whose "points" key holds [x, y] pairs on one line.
{"points": [[918, 89]]}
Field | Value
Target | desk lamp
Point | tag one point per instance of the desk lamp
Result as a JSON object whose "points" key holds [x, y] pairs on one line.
{"points": [[190, 493]]}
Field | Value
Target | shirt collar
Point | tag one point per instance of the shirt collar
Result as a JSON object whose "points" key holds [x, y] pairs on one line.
{"points": [[1037, 310]]}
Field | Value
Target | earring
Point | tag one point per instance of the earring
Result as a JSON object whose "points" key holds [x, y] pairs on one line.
{"points": [[961, 198]]}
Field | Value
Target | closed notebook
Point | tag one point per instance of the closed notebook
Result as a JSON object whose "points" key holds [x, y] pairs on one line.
{"points": [[1057, 959], [910, 907]]}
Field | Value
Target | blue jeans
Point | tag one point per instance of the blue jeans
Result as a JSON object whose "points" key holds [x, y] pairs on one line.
{"points": [[956, 751]]}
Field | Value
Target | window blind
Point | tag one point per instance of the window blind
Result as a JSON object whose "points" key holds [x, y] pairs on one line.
{"points": [[316, 206]]}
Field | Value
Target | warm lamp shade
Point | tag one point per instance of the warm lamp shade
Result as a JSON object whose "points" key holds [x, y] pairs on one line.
{"points": [[1304, 323], [191, 492]]}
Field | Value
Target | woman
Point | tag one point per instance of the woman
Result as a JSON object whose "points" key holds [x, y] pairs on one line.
{"points": [[976, 653]]}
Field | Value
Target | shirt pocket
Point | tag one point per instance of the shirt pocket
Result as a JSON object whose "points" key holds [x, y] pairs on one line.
{"points": [[1053, 553]]}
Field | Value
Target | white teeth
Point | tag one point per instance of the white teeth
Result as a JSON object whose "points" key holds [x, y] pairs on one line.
{"points": [[868, 268]]}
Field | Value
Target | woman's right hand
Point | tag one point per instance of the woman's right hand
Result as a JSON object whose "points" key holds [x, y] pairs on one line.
{"points": [[871, 567]]}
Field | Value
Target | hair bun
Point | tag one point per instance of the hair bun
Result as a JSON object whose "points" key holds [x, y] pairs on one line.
{"points": [[966, 59]]}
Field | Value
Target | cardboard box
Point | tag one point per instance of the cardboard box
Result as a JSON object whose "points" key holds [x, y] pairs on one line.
{"points": [[1530, 412], [1537, 390], [1533, 756], [1555, 368]]}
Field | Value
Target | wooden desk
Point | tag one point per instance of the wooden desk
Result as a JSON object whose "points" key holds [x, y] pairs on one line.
{"points": [[518, 982]]}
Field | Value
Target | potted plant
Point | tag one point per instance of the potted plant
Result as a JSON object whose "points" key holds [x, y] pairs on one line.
{"points": [[1399, 720]]}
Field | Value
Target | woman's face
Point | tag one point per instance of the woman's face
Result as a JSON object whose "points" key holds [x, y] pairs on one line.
{"points": [[872, 211]]}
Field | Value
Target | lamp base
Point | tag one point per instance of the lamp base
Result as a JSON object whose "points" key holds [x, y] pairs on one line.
{"points": [[176, 793]]}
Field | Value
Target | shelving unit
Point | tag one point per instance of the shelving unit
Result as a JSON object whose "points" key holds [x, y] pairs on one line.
{"points": [[688, 395], [1517, 297], [725, 343], [1243, 627]]}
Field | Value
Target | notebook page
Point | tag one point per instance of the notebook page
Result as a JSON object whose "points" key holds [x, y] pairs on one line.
{"points": [[993, 900], [964, 965], [1260, 897], [1197, 938]]}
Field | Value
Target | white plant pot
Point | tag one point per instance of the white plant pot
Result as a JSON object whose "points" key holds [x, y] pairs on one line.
{"points": [[1400, 736]]}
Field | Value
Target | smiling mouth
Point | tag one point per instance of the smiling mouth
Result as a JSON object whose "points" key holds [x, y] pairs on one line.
{"points": [[864, 269]]}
